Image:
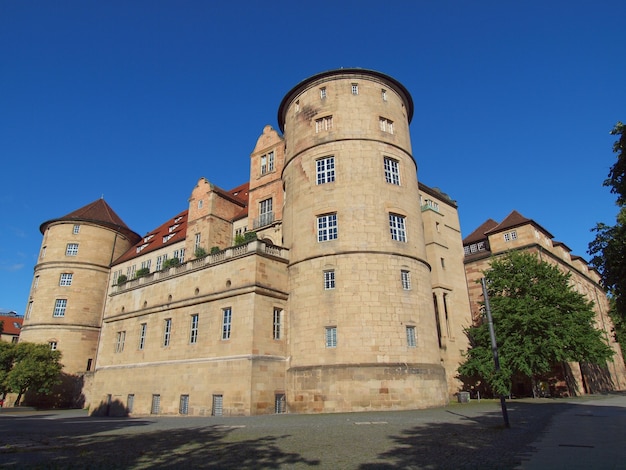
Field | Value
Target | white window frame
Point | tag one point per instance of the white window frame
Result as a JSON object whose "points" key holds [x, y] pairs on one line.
{"points": [[411, 336], [392, 170], [142, 335], [327, 227], [323, 92], [53, 345], [193, 333], [120, 339], [277, 323], [197, 241], [227, 319], [329, 279], [60, 306], [386, 125], [355, 88], [167, 332], [65, 279], [325, 170], [71, 249], [405, 277], [383, 94], [76, 229], [397, 227], [330, 336], [510, 236], [324, 124]]}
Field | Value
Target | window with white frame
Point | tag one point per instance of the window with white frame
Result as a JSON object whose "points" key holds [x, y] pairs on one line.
{"points": [[66, 279], [329, 279], [383, 94], [324, 124], [385, 125], [119, 341], [197, 241], [180, 254], [183, 407], [53, 345], [193, 335], [325, 170], [167, 332], [200, 203], [411, 338], [71, 249], [168, 237], [29, 310], [159, 262], [146, 264], [267, 163], [331, 336], [326, 227], [510, 236], [397, 227], [60, 306], [227, 318], [405, 276], [323, 92], [277, 331], [266, 214], [76, 229], [355, 88], [392, 171], [142, 335]]}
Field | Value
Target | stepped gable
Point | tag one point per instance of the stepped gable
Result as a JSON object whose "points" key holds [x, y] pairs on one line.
{"points": [[98, 212], [480, 233], [170, 232], [515, 219]]}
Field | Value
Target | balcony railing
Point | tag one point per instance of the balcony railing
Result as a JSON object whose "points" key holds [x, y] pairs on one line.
{"points": [[263, 220], [233, 252]]}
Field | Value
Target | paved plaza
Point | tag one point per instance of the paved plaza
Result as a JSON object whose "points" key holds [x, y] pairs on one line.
{"points": [[586, 432]]}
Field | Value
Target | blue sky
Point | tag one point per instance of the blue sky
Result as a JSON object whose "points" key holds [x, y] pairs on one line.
{"points": [[136, 100]]}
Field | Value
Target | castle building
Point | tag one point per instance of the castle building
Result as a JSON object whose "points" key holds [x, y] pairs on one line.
{"points": [[516, 232], [331, 281]]}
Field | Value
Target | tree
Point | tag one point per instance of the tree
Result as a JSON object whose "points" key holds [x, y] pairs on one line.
{"points": [[608, 249], [36, 368], [7, 356], [540, 321]]}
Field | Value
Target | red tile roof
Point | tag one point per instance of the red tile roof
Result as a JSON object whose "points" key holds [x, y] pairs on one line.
{"points": [[98, 212], [479, 234], [11, 325]]}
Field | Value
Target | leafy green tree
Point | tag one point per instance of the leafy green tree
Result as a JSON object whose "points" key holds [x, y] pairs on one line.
{"points": [[539, 319], [36, 368], [608, 249], [7, 356]]}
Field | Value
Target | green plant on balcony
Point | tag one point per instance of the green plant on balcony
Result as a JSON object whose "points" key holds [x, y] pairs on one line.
{"points": [[171, 263], [200, 252], [122, 279], [215, 249], [142, 272]]}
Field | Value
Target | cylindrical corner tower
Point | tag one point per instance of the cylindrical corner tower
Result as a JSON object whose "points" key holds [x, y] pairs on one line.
{"points": [[362, 328], [71, 280]]}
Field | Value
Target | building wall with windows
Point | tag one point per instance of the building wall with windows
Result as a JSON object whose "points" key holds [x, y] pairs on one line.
{"points": [[517, 232], [353, 297]]}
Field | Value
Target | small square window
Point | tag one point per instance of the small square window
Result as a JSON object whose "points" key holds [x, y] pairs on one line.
{"points": [[53, 345], [355, 88], [59, 308], [66, 279], [326, 227], [76, 229], [71, 249], [386, 125]]}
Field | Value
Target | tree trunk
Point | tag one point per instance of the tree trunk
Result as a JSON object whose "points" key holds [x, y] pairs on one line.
{"points": [[533, 384], [17, 400]]}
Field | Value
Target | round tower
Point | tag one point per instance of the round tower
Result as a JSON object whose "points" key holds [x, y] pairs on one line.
{"points": [[71, 279], [362, 324]]}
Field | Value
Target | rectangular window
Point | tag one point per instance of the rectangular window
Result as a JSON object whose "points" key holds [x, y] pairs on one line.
{"points": [[331, 336], [323, 92], [385, 125], [183, 407], [180, 254], [218, 405], [197, 242], [280, 403], [510, 236], [29, 310], [227, 316], [59, 308], [76, 229], [329, 279], [277, 322], [167, 332], [119, 341], [130, 402], [193, 336], [266, 215], [89, 362], [156, 404], [326, 227], [323, 124], [270, 161], [406, 279], [411, 339], [71, 249], [355, 88], [146, 264], [392, 171], [36, 282], [159, 263], [66, 279], [53, 345], [142, 335], [397, 227], [325, 170], [43, 252], [383, 93]]}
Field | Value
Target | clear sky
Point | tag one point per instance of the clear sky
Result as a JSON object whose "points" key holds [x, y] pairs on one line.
{"points": [[136, 100]]}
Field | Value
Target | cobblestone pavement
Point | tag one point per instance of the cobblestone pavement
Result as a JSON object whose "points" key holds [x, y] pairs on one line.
{"points": [[467, 435]]}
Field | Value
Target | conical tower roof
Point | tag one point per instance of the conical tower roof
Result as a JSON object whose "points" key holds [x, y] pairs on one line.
{"points": [[100, 213]]}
